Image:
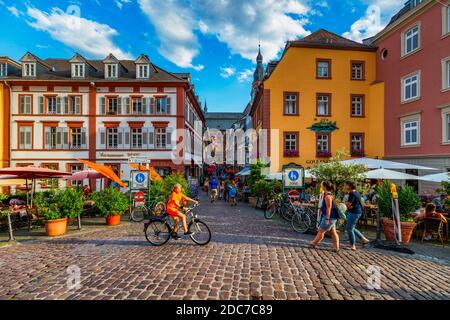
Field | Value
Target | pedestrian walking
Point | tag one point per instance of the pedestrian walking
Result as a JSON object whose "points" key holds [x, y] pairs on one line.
{"points": [[213, 184], [232, 192], [329, 217], [221, 189], [354, 212]]}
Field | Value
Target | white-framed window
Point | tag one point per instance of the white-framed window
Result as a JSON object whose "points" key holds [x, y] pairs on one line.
{"points": [[446, 125], [323, 143], [76, 168], [51, 105], [112, 135], [78, 70], [136, 138], [76, 135], [357, 71], [113, 106], [25, 105], [323, 105], [410, 135], [3, 69], [290, 104], [357, 144], [445, 20], [357, 107], [161, 105], [161, 138], [411, 40], [411, 87], [446, 73], [25, 137], [290, 142], [323, 69], [111, 71], [143, 71], [29, 69], [137, 105], [75, 105]]}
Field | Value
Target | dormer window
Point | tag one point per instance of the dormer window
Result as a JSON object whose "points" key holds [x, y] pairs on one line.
{"points": [[111, 71], [3, 70], [78, 70], [143, 71], [29, 69]]}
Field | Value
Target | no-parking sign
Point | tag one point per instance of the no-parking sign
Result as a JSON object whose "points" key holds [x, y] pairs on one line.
{"points": [[293, 176]]}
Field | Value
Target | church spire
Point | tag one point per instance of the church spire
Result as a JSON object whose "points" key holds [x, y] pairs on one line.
{"points": [[258, 76], [205, 108]]}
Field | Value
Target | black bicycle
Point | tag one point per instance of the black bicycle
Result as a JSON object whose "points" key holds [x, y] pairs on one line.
{"points": [[159, 230]]}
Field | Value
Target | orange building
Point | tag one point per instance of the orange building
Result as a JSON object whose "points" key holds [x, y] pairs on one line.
{"points": [[321, 96]]}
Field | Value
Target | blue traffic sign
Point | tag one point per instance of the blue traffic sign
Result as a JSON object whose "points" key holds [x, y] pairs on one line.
{"points": [[293, 175], [140, 178]]}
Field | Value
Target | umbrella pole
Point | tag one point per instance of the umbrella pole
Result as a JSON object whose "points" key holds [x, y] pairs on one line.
{"points": [[33, 185], [26, 185], [11, 234]]}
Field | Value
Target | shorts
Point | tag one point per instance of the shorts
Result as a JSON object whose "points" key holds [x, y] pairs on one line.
{"points": [[327, 227]]}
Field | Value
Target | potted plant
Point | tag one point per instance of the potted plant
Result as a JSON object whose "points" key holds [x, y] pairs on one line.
{"points": [[48, 205], [112, 204], [262, 189], [70, 202], [256, 174], [408, 201]]}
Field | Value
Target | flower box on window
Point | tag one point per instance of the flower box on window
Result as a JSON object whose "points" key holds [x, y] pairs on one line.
{"points": [[291, 153], [323, 154]]}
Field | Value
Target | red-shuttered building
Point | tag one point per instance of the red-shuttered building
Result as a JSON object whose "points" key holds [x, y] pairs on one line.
{"points": [[107, 111], [414, 63]]}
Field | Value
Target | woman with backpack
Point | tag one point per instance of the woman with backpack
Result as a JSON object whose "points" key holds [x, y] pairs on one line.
{"points": [[355, 208], [329, 217]]}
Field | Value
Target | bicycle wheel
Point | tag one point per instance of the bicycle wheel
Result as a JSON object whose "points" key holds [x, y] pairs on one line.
{"points": [[270, 210], [157, 232], [138, 213], [287, 213], [201, 233], [300, 222], [159, 209]]}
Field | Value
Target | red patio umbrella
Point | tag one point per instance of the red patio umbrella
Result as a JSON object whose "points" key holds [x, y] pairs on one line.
{"points": [[85, 174]]}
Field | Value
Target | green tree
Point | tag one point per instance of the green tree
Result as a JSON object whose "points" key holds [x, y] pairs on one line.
{"points": [[337, 172], [256, 174]]}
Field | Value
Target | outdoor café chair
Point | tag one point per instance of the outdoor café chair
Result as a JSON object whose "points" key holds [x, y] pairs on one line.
{"points": [[34, 219], [435, 227]]}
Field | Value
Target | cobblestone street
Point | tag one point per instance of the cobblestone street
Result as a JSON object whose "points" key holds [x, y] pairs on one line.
{"points": [[248, 258]]}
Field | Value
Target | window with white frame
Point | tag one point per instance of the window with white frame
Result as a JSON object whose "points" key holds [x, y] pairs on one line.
{"points": [[323, 69], [25, 104], [113, 106], [411, 40], [78, 70], [112, 135], [136, 138], [51, 105], [290, 142], [323, 105], [76, 168], [446, 73], [137, 106], [143, 71], [111, 71], [411, 87], [29, 69], [447, 19], [323, 143], [446, 125], [290, 104], [410, 132], [3, 69], [75, 105], [25, 137], [357, 108], [357, 71], [161, 105], [357, 144], [161, 138]]}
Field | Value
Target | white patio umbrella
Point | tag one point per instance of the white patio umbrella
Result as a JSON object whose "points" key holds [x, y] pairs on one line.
{"points": [[371, 163], [438, 177], [384, 174], [244, 172]]}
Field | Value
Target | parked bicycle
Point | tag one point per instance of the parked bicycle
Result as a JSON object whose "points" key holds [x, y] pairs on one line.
{"points": [[305, 218], [140, 211], [282, 204], [159, 230]]}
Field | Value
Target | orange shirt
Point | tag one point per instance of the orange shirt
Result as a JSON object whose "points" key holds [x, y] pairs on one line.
{"points": [[176, 201]]}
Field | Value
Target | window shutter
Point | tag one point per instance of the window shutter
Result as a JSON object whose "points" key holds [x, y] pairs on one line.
{"points": [[102, 132], [78, 105], [144, 105], [126, 142], [168, 105], [127, 105], [28, 138], [102, 105], [41, 105], [145, 138], [120, 133], [152, 105], [66, 105], [119, 106], [22, 141], [169, 138], [22, 105], [59, 138], [58, 105], [83, 138], [151, 138], [65, 132], [47, 137]]}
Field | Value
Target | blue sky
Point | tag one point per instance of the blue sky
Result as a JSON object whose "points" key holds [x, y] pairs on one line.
{"points": [[215, 40]]}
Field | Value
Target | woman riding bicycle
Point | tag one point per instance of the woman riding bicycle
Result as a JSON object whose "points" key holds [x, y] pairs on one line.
{"points": [[176, 201]]}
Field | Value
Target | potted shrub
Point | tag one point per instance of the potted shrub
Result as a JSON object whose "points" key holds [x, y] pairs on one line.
{"points": [[48, 205], [262, 190], [70, 203], [408, 201], [112, 204]]}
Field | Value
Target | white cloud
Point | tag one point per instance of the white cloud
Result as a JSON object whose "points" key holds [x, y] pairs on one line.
{"points": [[120, 3], [76, 32], [245, 76], [240, 25], [374, 20], [14, 11], [227, 72]]}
